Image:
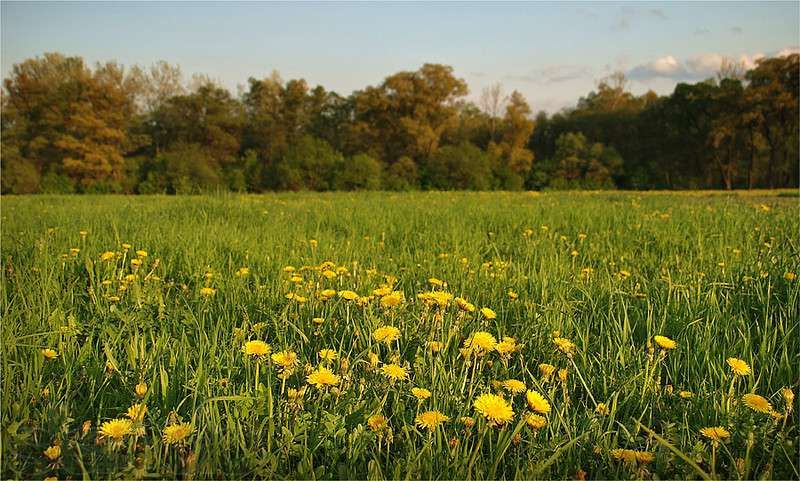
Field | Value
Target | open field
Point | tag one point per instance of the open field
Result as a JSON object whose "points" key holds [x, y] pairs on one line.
{"points": [[108, 302]]}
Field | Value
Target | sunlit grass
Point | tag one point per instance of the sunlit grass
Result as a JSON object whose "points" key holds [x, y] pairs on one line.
{"points": [[459, 294]]}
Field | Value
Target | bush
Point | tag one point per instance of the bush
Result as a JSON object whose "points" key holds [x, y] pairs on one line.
{"points": [[462, 166], [55, 183], [308, 165], [360, 172], [19, 176]]}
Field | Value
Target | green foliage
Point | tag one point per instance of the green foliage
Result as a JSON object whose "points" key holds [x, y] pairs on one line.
{"points": [[462, 166], [402, 175], [360, 172], [309, 164]]}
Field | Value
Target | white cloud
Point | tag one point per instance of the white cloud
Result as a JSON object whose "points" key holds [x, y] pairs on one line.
{"points": [[698, 67]]}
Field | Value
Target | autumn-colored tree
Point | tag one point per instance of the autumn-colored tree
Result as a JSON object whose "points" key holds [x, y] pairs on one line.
{"points": [[512, 150]]}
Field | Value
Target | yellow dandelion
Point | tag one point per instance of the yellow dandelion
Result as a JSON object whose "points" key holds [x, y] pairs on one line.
{"points": [[377, 422], [49, 353], [285, 359], [256, 348], [53, 452], [136, 412], [349, 295], [601, 409], [546, 370], [631, 456], [393, 299], [514, 386], [685, 394], [738, 367], [665, 343], [107, 256], [507, 346], [481, 341], [488, 313], [564, 345], [420, 393], [790, 276], [537, 402], [534, 421], [328, 355], [115, 429], [494, 408], [757, 403], [177, 433], [717, 433], [207, 291], [322, 377], [430, 420], [387, 334], [394, 372], [141, 389], [435, 346]]}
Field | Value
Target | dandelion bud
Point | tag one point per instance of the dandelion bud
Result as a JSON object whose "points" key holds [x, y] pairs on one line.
{"points": [[141, 389]]}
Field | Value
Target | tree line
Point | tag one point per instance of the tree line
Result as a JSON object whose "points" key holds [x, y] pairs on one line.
{"points": [[69, 127]]}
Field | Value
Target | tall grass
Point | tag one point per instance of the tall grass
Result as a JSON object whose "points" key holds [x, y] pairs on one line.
{"points": [[608, 271]]}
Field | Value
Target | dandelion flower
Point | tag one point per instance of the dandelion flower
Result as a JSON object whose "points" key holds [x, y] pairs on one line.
{"points": [[53, 452], [717, 433], [115, 429], [377, 422], [430, 420], [177, 433], [494, 408], [207, 291], [49, 353], [435, 346], [665, 343], [257, 348], [420, 393], [141, 389], [631, 456], [757, 403], [394, 372], [136, 412], [546, 370], [285, 359], [387, 334], [322, 377], [601, 409], [328, 355], [514, 386], [349, 295], [488, 313], [685, 394], [564, 345], [790, 276], [537, 402], [534, 421], [393, 299], [739, 367], [481, 341], [507, 346]]}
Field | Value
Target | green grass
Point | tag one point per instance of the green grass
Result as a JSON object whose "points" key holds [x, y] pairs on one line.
{"points": [[708, 271]]}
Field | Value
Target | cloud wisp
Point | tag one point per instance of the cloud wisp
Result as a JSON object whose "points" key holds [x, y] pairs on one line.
{"points": [[698, 67]]}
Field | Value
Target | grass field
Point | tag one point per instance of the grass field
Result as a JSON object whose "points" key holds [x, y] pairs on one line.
{"points": [[108, 302]]}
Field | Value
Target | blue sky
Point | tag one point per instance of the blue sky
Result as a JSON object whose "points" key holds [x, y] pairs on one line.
{"points": [[551, 52]]}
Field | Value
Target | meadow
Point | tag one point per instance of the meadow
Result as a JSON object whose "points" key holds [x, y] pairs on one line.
{"points": [[590, 335]]}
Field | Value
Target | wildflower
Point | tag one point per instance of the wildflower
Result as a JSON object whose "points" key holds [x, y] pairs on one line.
{"points": [[377, 422], [387, 334], [141, 389], [507, 346], [242, 272], [685, 394], [329, 274], [564, 345], [488, 313], [715, 433], [513, 295], [285, 359], [136, 412], [177, 433], [53, 452], [394, 299], [631, 456], [534, 421], [318, 321], [107, 256], [738, 367], [141, 253], [115, 429], [430, 420], [373, 359], [394, 372], [207, 291], [494, 408], [790, 276], [468, 422], [435, 346], [257, 349], [562, 375], [514, 386], [435, 282], [327, 294], [349, 295], [288, 269], [49, 353], [464, 305], [601, 409], [420, 393], [481, 341], [546, 370], [537, 402], [788, 396], [665, 342], [136, 262], [757, 403], [322, 377], [327, 355]]}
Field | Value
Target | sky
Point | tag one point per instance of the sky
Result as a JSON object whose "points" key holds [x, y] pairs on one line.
{"points": [[553, 53]]}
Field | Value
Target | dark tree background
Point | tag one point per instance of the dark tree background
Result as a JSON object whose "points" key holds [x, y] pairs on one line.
{"points": [[68, 127]]}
